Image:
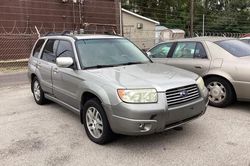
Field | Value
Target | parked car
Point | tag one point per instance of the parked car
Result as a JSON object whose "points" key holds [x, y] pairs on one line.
{"points": [[222, 62], [113, 85], [246, 40]]}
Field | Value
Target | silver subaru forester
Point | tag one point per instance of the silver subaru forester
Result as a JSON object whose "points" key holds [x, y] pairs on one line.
{"points": [[113, 85]]}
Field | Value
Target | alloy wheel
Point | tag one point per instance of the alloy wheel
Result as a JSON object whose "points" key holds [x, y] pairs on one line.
{"points": [[36, 90], [94, 122]]}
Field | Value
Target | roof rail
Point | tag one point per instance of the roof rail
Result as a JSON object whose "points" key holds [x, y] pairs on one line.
{"points": [[64, 33], [57, 33]]}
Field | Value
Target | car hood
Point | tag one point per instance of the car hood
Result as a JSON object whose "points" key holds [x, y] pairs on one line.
{"points": [[151, 75]]}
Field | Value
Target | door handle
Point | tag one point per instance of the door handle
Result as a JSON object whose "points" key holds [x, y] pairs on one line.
{"points": [[55, 70], [38, 65], [198, 67]]}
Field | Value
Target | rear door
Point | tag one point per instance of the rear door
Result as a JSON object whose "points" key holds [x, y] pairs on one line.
{"points": [[65, 80], [191, 56], [160, 52], [45, 65]]}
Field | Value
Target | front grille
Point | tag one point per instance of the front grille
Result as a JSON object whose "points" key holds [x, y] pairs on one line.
{"points": [[182, 95]]}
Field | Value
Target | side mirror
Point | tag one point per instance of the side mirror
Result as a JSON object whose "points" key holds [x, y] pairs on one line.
{"points": [[64, 62]]}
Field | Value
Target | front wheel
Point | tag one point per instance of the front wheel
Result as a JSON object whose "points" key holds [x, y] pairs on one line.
{"points": [[96, 123], [221, 93]]}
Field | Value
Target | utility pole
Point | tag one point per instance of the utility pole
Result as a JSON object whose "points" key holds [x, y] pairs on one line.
{"points": [[203, 25], [121, 18], [191, 18]]}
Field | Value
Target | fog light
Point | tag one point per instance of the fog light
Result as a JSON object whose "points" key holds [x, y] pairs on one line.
{"points": [[142, 126]]}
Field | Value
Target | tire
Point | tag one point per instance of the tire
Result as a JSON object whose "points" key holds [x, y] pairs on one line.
{"points": [[38, 92], [221, 92], [96, 123]]}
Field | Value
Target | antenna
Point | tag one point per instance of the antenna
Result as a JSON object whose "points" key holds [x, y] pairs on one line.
{"points": [[37, 31]]}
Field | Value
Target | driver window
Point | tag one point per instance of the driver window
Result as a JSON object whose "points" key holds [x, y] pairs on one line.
{"points": [[65, 49], [184, 50], [161, 51], [49, 52]]}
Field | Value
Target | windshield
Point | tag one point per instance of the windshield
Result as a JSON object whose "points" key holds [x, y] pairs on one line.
{"points": [[108, 52], [235, 47]]}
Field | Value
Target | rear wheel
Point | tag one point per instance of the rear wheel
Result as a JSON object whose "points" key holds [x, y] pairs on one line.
{"points": [[221, 92], [96, 123], [38, 92]]}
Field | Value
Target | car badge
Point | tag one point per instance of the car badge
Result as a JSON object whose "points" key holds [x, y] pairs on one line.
{"points": [[184, 93]]}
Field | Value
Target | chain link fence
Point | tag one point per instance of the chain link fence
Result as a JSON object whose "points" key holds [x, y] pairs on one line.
{"points": [[15, 50], [16, 46]]}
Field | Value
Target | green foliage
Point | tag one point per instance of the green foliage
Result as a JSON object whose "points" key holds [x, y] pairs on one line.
{"points": [[220, 15]]}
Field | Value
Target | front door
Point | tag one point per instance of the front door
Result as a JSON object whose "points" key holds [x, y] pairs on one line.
{"points": [[65, 80]]}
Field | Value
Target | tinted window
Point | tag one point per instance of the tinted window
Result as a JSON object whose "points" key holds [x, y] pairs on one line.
{"points": [[184, 50], [235, 47], [200, 51], [38, 47], [108, 52], [65, 49], [246, 40], [161, 51], [49, 51]]}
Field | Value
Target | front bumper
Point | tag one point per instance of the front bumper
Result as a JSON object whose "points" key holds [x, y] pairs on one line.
{"points": [[142, 119]]}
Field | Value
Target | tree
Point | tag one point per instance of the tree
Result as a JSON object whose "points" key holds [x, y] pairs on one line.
{"points": [[220, 15]]}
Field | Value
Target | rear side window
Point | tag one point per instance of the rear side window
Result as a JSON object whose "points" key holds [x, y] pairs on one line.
{"points": [[235, 47], [200, 52], [49, 51], [246, 40], [189, 50], [184, 50], [65, 49], [38, 47]]}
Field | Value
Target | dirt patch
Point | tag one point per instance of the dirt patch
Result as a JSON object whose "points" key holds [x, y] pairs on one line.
{"points": [[58, 160], [21, 147]]}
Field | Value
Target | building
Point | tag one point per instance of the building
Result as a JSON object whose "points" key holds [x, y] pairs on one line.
{"points": [[158, 30], [18, 19], [139, 29]]}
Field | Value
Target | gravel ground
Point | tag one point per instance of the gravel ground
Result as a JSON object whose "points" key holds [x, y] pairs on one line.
{"points": [[51, 135]]}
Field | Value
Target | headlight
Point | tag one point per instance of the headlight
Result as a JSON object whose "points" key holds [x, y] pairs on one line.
{"points": [[138, 95], [200, 83]]}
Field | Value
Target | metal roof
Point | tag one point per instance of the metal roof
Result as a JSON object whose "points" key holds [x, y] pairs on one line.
{"points": [[141, 17]]}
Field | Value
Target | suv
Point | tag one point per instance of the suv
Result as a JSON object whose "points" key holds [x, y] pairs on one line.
{"points": [[113, 85]]}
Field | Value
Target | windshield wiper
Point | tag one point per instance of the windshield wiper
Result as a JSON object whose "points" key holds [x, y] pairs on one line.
{"points": [[115, 65], [98, 66], [131, 63]]}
